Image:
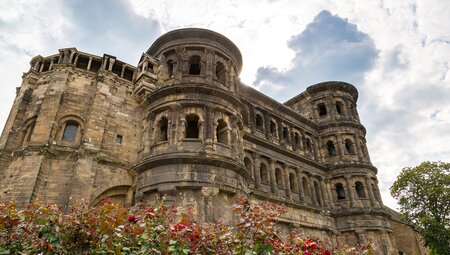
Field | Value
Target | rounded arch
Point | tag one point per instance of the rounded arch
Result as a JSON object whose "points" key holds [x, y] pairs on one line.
{"points": [[259, 122], [222, 131], [340, 192], [305, 185], [248, 164], [293, 182], [162, 129], [279, 178], [331, 149], [70, 131], [27, 130], [317, 193], [264, 173], [349, 146], [220, 72]]}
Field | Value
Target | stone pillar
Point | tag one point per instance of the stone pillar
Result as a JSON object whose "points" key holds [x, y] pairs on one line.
{"points": [[326, 200], [42, 65], [357, 148], [76, 60], [300, 185], [287, 181], [209, 127], [273, 182], [340, 146], [328, 191], [111, 64], [89, 63], [209, 69], [72, 53], [123, 71], [369, 190], [51, 65], [257, 165], [348, 180], [312, 191]]}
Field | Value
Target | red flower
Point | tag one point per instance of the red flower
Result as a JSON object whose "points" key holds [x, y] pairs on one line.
{"points": [[132, 218], [306, 252], [325, 252], [179, 227]]}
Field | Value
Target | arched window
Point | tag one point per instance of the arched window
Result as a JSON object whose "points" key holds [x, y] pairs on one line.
{"points": [[322, 109], [163, 125], [349, 148], [305, 186], [259, 123], [285, 133], [192, 130], [293, 182], [317, 191], [340, 191], [222, 131], [359, 187], [220, 72], [273, 128], [70, 131], [264, 173], [194, 65], [170, 67], [339, 107], [331, 149], [279, 178]]}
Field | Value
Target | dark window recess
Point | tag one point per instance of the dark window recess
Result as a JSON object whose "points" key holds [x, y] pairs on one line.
{"points": [[163, 126], [359, 187], [222, 131], [46, 65], [340, 191], [331, 149], [308, 145], [259, 122], [117, 68], [70, 131], [194, 65], [297, 141], [305, 185], [349, 146], [279, 178], [82, 62], [170, 67], [264, 173], [192, 130], [128, 74], [95, 65], [322, 109], [317, 191], [293, 182], [119, 139], [285, 133], [248, 164], [339, 107], [220, 72], [273, 128]]}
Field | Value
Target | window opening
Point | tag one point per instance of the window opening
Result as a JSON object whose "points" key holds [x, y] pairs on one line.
{"points": [[340, 191], [192, 130], [70, 131], [194, 65]]}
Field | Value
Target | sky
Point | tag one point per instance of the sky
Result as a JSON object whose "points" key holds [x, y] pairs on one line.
{"points": [[395, 52]]}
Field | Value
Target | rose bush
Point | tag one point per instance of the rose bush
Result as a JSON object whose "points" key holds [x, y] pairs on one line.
{"points": [[43, 228]]}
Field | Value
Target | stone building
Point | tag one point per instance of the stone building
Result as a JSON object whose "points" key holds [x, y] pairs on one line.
{"points": [[182, 124]]}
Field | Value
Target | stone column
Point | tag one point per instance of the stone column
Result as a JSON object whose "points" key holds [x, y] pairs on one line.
{"points": [[51, 65], [75, 61], [369, 190], [287, 181], [123, 71], [300, 185], [111, 64], [340, 146], [312, 191], [273, 182], [328, 191], [89, 63], [209, 127], [348, 180], [326, 200], [209, 69], [257, 165]]}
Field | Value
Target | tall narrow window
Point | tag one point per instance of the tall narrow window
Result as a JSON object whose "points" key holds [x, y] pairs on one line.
{"points": [[317, 191], [293, 182], [273, 128], [222, 131], [349, 148], [163, 126], [192, 130], [248, 165], [170, 67], [194, 65], [297, 141], [264, 173], [305, 186], [220, 72], [285, 133], [70, 131], [309, 148], [279, 178], [331, 149], [339, 107], [340, 191], [322, 109], [259, 123], [359, 187]]}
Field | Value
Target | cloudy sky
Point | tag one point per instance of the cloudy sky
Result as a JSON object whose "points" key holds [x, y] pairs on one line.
{"points": [[396, 53]]}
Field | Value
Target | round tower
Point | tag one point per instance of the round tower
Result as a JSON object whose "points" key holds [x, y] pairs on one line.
{"points": [[193, 131]]}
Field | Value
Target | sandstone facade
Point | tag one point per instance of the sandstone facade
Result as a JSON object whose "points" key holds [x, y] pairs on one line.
{"points": [[182, 124]]}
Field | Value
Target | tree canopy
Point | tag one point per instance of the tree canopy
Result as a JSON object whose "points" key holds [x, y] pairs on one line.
{"points": [[423, 193]]}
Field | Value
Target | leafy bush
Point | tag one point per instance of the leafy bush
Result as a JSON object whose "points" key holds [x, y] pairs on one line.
{"points": [[43, 228]]}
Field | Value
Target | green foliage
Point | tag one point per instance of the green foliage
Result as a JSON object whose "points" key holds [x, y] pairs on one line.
{"points": [[423, 193], [42, 228]]}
